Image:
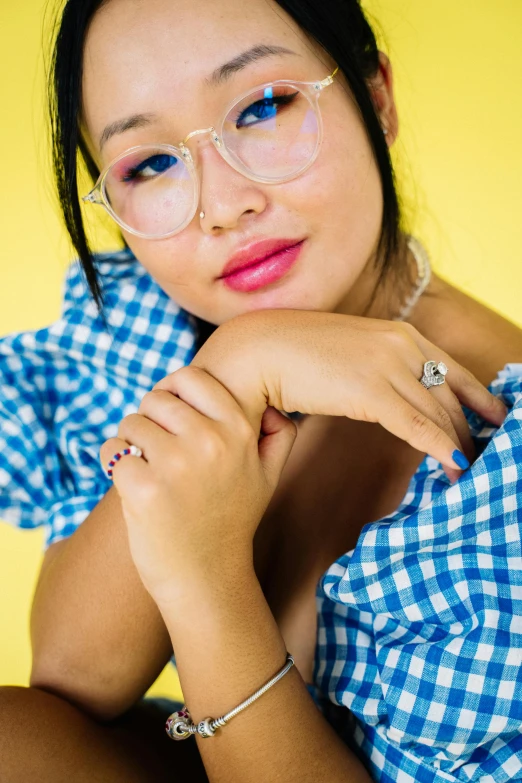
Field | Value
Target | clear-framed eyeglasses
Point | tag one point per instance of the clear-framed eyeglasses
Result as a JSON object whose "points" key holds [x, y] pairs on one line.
{"points": [[270, 134]]}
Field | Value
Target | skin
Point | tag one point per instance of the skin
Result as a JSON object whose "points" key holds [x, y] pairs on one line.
{"points": [[152, 66], [268, 607]]}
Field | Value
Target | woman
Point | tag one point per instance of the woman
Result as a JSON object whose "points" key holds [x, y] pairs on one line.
{"points": [[213, 543]]}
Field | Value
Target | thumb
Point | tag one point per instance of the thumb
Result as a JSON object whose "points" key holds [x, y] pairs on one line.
{"points": [[275, 447]]}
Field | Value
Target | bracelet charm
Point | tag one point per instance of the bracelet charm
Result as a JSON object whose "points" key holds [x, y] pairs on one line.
{"points": [[177, 726], [205, 728], [180, 725]]}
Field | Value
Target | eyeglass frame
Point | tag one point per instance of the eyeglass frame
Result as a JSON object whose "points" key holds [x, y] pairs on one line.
{"points": [[98, 195]]}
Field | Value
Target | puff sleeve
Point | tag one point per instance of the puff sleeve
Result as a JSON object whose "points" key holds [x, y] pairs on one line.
{"points": [[65, 388], [420, 625]]}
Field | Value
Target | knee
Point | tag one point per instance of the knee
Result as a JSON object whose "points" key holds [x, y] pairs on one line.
{"points": [[14, 700], [35, 728], [18, 708]]}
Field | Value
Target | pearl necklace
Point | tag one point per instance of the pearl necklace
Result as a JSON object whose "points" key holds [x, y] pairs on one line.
{"points": [[423, 278]]}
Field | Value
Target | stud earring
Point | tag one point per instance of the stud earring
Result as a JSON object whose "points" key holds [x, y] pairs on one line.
{"points": [[202, 215], [385, 131]]}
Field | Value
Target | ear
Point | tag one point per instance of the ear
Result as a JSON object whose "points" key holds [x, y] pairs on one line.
{"points": [[381, 87]]}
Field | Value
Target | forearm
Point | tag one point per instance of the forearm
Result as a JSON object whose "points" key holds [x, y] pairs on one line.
{"points": [[97, 636], [233, 649]]}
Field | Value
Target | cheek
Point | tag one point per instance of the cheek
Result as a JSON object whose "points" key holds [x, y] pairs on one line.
{"points": [[171, 262], [166, 259], [341, 194], [337, 202], [346, 166]]}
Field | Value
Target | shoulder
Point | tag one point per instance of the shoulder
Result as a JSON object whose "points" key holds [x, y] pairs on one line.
{"points": [[476, 336]]}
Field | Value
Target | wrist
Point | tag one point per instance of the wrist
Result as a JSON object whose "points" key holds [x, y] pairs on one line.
{"points": [[215, 587], [237, 355]]}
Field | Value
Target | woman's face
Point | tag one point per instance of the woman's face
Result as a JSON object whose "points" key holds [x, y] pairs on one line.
{"points": [[153, 58]]}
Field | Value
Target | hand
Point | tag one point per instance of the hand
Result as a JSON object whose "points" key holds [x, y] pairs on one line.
{"points": [[193, 502], [339, 365]]}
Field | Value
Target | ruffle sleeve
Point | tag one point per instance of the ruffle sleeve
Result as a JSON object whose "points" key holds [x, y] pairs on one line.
{"points": [[65, 389], [420, 626]]}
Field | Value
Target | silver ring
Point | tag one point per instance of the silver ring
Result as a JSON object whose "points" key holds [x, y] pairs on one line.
{"points": [[434, 374]]}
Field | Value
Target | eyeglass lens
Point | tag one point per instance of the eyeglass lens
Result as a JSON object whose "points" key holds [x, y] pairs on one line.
{"points": [[271, 133]]}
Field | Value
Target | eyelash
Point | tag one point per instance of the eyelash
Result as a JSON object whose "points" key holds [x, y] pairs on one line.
{"points": [[132, 174], [278, 100]]}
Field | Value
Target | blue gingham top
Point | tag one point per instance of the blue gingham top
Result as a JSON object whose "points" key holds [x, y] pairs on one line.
{"points": [[66, 388], [419, 627]]}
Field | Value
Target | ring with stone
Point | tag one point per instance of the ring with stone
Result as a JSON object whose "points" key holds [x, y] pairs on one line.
{"points": [[132, 450], [434, 374]]}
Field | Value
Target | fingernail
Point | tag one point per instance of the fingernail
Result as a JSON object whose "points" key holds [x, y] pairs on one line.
{"points": [[460, 459]]}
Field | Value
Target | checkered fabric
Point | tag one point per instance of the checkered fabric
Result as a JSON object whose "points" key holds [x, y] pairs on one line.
{"points": [[66, 388], [420, 626]]}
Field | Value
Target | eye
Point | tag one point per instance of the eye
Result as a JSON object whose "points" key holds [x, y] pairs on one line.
{"points": [[265, 109], [150, 168]]}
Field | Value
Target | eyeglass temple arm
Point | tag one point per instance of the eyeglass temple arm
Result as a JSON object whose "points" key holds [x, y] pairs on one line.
{"points": [[94, 196], [329, 79]]}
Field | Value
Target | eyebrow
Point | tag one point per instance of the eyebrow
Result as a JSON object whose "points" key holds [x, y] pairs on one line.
{"points": [[217, 77]]}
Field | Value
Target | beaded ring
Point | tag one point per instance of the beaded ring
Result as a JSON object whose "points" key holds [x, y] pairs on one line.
{"points": [[132, 450]]}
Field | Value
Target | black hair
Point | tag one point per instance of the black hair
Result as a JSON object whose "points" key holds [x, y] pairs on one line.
{"points": [[340, 27]]}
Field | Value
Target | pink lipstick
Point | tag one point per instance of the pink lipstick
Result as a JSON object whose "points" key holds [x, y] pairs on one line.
{"points": [[261, 264]]}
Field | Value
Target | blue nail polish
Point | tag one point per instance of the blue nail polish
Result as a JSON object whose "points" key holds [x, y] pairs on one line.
{"points": [[460, 459]]}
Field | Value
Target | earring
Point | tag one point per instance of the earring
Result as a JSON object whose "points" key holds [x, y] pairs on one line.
{"points": [[385, 130], [202, 215]]}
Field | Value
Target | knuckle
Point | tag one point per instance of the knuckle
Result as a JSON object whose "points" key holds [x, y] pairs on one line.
{"points": [[444, 420], [127, 425], [421, 425], [494, 402], [189, 372], [212, 447], [163, 384], [408, 329], [468, 381], [398, 338], [150, 399], [244, 431]]}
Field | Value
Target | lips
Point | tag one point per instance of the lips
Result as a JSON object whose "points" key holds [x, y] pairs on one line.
{"points": [[257, 252]]}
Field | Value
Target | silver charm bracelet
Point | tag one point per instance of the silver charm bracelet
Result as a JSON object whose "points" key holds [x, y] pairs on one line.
{"points": [[179, 725]]}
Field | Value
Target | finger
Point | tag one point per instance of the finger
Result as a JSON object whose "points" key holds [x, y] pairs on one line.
{"points": [[204, 393], [430, 405], [275, 447], [466, 387], [448, 400], [171, 413], [421, 399], [154, 441], [112, 454], [441, 405], [411, 425], [476, 397]]}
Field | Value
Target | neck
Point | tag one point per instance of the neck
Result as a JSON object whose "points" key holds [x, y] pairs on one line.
{"points": [[384, 300]]}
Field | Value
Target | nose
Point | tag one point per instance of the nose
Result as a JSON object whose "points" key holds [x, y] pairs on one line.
{"points": [[226, 195]]}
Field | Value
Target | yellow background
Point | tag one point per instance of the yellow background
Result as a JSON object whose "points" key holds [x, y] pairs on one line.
{"points": [[458, 75]]}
